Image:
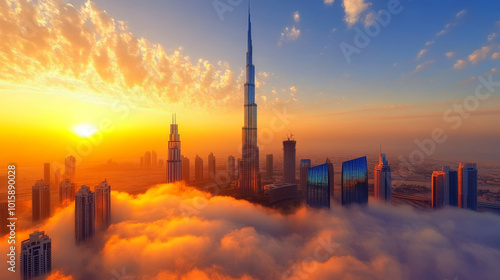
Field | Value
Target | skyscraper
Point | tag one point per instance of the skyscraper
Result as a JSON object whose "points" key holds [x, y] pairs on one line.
{"points": [[289, 160], [147, 159], [102, 205], [174, 164], [467, 185], [231, 165], [304, 170], [320, 185], [70, 168], [382, 179], [36, 256], [84, 214], [66, 192], [46, 173], [249, 177], [154, 159], [438, 189], [57, 178], [198, 168], [355, 182], [269, 166], [185, 168], [40, 201], [451, 186], [211, 166]]}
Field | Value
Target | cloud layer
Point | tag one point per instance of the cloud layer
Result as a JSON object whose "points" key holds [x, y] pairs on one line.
{"points": [[177, 232]]}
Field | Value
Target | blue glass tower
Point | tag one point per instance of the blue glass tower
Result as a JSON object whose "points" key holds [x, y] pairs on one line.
{"points": [[355, 181], [320, 185]]}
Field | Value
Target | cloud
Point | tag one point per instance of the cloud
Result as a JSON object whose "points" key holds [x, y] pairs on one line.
{"points": [[460, 64], [289, 34], [369, 19], [178, 232], [473, 79], [492, 37], [82, 49], [445, 29], [450, 54], [421, 53], [422, 66], [296, 16], [353, 10], [428, 43], [495, 55], [479, 54], [329, 2]]}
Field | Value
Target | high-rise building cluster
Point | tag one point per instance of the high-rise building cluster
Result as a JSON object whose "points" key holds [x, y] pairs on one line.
{"points": [[455, 188], [36, 256]]}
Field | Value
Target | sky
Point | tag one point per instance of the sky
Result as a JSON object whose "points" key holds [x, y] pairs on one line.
{"points": [[128, 65]]}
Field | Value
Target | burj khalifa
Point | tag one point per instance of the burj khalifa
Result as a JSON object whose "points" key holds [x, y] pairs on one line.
{"points": [[249, 177]]}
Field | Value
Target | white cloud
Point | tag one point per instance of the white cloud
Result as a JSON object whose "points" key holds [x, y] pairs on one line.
{"points": [[495, 55], [353, 10], [289, 34], [461, 13], [450, 54], [421, 53], [422, 66], [460, 64], [492, 37], [333, 30], [428, 43], [296, 16], [445, 29], [329, 2], [479, 54]]}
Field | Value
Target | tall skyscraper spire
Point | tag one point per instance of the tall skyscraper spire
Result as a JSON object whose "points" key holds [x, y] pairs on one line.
{"points": [[249, 178], [174, 163]]}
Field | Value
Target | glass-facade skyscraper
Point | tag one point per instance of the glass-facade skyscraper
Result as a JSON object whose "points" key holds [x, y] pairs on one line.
{"points": [[355, 181], [289, 160], [382, 180], [174, 164], [467, 186], [249, 178], [320, 185], [439, 193]]}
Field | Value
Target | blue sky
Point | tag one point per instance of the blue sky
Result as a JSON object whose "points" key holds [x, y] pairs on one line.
{"points": [[314, 61]]}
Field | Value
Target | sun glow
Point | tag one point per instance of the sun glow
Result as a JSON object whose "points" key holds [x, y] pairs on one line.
{"points": [[85, 130]]}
